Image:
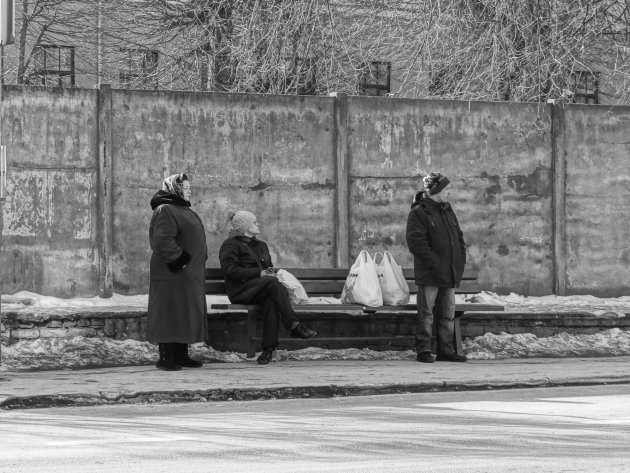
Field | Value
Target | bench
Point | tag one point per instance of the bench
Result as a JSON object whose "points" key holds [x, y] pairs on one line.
{"points": [[329, 282]]}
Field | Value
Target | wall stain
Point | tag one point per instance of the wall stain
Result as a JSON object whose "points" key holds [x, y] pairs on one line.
{"points": [[535, 184], [260, 186], [503, 250], [318, 185], [493, 190]]}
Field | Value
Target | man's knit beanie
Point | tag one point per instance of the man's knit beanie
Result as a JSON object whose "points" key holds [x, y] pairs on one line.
{"points": [[434, 183]]}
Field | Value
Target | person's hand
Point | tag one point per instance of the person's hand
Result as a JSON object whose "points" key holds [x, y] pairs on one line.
{"points": [[267, 273]]}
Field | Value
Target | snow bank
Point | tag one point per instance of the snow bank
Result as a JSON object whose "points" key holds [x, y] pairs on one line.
{"points": [[82, 352]]}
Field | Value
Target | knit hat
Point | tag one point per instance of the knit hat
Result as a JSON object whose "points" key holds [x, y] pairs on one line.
{"points": [[434, 183], [241, 220]]}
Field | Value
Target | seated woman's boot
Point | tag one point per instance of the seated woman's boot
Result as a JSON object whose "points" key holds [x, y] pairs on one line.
{"points": [[167, 357], [265, 356], [182, 358], [301, 331]]}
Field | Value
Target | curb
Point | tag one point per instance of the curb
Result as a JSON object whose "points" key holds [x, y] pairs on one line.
{"points": [[304, 392]]}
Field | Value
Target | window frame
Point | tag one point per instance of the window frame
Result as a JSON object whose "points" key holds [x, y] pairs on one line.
{"points": [[146, 74], [378, 87], [45, 73], [577, 80]]}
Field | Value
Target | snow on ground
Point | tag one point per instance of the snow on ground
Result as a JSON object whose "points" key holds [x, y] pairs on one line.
{"points": [[82, 352], [611, 307]]}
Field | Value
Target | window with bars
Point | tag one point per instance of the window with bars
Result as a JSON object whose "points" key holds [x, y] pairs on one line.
{"points": [[53, 66], [376, 78], [585, 87], [138, 68]]}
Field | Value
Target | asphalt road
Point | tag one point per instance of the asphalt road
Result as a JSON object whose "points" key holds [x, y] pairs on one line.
{"points": [[579, 429]]}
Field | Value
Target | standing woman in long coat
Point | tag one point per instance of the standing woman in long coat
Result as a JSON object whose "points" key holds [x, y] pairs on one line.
{"points": [[177, 301]]}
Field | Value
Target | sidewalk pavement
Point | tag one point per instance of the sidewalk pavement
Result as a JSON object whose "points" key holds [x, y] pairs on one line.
{"points": [[297, 379]]}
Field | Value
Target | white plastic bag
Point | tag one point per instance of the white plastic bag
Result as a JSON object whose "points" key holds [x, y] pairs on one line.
{"points": [[297, 293], [362, 286], [394, 286]]}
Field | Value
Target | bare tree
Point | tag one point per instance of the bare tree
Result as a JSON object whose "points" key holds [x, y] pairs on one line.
{"points": [[527, 50]]}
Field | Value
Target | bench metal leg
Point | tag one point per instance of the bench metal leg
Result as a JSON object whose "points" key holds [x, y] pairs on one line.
{"points": [[457, 334], [251, 333]]}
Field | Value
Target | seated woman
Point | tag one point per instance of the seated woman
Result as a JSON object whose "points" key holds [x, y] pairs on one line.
{"points": [[250, 277]]}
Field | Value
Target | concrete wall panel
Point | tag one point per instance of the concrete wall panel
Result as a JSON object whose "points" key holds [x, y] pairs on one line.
{"points": [[50, 214], [597, 143], [272, 155], [499, 161]]}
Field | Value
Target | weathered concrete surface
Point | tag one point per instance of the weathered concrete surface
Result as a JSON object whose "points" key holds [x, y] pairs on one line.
{"points": [[272, 155], [498, 158], [276, 155], [50, 224], [597, 144]]}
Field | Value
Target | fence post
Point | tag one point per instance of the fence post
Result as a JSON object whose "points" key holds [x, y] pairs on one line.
{"points": [[342, 214], [105, 181], [558, 200]]}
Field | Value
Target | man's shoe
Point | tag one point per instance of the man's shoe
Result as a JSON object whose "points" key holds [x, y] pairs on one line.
{"points": [[265, 357], [425, 357], [302, 332], [451, 357]]}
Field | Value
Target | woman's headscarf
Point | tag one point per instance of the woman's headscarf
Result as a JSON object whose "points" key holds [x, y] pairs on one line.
{"points": [[174, 184], [172, 192]]}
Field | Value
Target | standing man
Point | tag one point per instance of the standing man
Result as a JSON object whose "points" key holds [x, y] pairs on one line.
{"points": [[439, 256]]}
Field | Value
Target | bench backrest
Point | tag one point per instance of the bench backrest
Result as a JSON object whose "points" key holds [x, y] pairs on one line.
{"points": [[330, 281]]}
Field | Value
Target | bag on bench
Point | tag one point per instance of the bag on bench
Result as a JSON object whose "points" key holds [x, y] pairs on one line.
{"points": [[297, 293], [394, 286], [362, 286]]}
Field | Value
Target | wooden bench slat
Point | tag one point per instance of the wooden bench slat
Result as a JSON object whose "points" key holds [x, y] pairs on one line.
{"points": [[462, 307], [334, 288], [347, 339], [328, 273]]}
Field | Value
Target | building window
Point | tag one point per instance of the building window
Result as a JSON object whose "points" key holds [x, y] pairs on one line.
{"points": [[585, 87], [138, 67], [376, 78], [53, 65]]}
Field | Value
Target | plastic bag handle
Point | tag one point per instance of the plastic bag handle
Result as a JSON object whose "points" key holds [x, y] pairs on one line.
{"points": [[378, 253]]}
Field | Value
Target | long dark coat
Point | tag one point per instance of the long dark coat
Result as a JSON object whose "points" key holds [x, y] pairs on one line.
{"points": [[436, 242], [242, 259], [177, 301]]}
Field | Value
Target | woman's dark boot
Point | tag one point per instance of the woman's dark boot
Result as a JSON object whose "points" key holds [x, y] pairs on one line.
{"points": [[167, 357], [265, 356], [182, 358]]}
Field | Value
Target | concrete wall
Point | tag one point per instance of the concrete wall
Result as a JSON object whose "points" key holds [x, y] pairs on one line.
{"points": [[541, 191], [49, 239]]}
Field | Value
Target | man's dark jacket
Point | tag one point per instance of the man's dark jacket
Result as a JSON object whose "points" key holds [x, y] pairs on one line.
{"points": [[436, 242], [242, 259]]}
